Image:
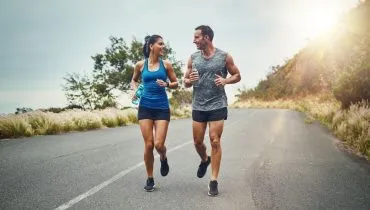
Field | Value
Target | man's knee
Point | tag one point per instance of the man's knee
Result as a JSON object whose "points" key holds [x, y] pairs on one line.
{"points": [[216, 143], [198, 142], [215, 140], [214, 136]]}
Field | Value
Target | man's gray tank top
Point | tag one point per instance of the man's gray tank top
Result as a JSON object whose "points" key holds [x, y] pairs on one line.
{"points": [[206, 95]]}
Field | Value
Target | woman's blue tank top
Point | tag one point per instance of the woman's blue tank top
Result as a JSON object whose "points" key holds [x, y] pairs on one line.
{"points": [[154, 96]]}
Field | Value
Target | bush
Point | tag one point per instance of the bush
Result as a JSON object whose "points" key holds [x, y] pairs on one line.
{"points": [[181, 98], [14, 126], [353, 86]]}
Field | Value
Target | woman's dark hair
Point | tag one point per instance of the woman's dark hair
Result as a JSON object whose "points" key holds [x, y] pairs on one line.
{"points": [[148, 41]]}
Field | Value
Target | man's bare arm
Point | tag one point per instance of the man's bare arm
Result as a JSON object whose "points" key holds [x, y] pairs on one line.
{"points": [[187, 80], [233, 70]]}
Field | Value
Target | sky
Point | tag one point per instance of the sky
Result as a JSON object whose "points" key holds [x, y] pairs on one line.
{"points": [[42, 40]]}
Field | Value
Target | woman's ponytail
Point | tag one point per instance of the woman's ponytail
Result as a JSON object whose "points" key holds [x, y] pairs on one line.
{"points": [[146, 49]]}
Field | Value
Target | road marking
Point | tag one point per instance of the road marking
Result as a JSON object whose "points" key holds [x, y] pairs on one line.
{"points": [[121, 174], [97, 188]]}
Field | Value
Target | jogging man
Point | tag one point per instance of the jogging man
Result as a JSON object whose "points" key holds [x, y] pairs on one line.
{"points": [[207, 72]]}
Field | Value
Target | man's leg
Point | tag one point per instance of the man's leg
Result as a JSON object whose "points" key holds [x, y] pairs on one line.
{"points": [[199, 129], [216, 126], [215, 132]]}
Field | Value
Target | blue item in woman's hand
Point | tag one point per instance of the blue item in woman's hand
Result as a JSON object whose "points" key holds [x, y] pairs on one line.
{"points": [[138, 94]]}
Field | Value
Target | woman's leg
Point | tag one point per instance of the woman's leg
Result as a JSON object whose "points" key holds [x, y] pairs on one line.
{"points": [[146, 127], [161, 127]]}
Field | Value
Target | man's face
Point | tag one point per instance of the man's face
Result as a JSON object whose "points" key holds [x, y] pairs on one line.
{"points": [[199, 40]]}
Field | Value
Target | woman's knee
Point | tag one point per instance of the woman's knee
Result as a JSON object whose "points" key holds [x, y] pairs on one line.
{"points": [[159, 146], [149, 145]]}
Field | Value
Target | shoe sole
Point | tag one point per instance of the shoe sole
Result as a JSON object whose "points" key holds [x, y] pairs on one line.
{"points": [[200, 176], [151, 190], [204, 173], [209, 194], [165, 174]]}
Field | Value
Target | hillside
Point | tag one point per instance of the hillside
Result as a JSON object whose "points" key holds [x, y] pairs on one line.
{"points": [[337, 63]]}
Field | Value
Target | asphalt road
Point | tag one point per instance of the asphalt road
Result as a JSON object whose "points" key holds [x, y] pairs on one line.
{"points": [[271, 160]]}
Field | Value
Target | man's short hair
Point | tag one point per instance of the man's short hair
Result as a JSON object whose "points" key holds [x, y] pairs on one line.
{"points": [[206, 30]]}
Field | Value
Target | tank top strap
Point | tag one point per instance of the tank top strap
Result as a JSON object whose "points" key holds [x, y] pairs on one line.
{"points": [[161, 63], [145, 65]]}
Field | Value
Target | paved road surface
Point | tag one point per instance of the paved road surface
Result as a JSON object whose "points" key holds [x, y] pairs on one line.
{"points": [[271, 160]]}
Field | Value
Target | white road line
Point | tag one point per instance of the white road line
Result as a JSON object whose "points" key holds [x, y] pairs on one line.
{"points": [[121, 174], [97, 188]]}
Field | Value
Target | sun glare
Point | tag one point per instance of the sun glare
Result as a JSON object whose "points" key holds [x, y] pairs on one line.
{"points": [[317, 17], [320, 23]]}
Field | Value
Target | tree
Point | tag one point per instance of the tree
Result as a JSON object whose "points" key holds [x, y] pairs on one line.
{"points": [[114, 68], [23, 110], [111, 74], [78, 90]]}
